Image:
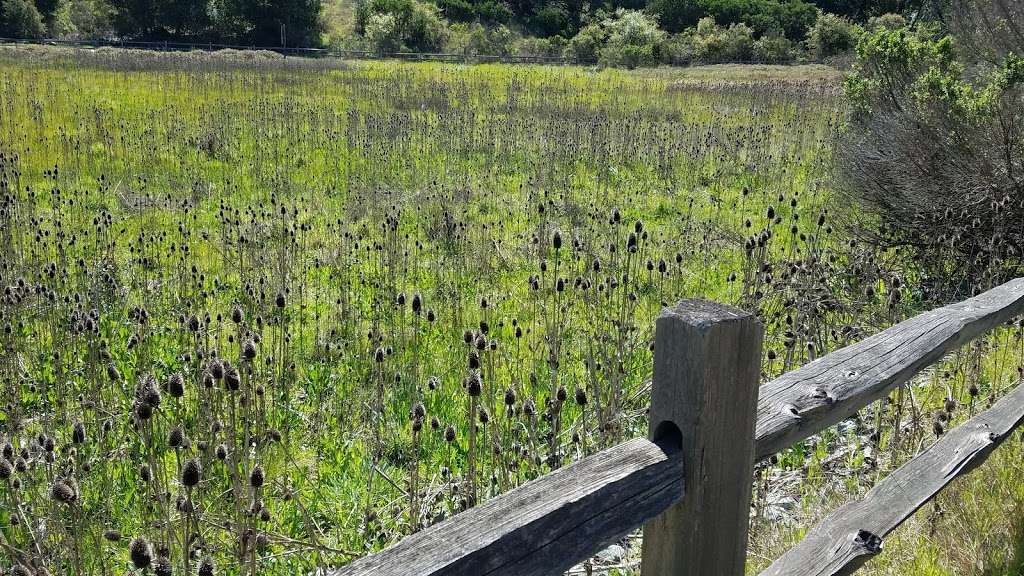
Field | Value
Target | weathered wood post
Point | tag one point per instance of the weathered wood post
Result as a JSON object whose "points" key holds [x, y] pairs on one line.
{"points": [[706, 375]]}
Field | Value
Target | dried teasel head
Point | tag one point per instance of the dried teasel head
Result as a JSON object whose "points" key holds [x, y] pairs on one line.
{"points": [[256, 477], [206, 567], [65, 492], [176, 437], [191, 473], [78, 433], [176, 385], [140, 552], [163, 567], [249, 349]]}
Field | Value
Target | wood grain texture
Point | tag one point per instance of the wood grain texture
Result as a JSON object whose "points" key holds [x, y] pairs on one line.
{"points": [[545, 526], [854, 533], [704, 390], [826, 391]]}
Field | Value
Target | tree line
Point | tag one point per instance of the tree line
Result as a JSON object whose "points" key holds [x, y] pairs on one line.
{"points": [[416, 25], [246, 22]]}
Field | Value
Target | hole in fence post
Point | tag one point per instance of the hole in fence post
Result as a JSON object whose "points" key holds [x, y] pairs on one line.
{"points": [[667, 434]]}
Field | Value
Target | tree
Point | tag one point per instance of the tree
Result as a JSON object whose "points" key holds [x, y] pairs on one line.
{"points": [[382, 32], [411, 25], [46, 8], [585, 46], [159, 20], [20, 19], [259, 22], [862, 10], [281, 22]]}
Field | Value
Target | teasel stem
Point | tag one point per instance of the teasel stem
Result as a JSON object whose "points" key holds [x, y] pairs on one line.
{"points": [[471, 454]]}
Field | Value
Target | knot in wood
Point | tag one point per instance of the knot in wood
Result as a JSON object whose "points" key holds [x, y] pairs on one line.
{"points": [[868, 541]]}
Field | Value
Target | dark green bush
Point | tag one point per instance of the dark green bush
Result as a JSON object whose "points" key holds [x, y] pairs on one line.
{"points": [[791, 18], [831, 36]]}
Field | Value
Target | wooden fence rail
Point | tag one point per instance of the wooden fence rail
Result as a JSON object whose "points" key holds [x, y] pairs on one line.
{"points": [[689, 485], [832, 388], [544, 526], [852, 534]]}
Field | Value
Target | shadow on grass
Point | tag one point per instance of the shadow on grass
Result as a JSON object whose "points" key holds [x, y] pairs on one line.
{"points": [[1014, 566]]}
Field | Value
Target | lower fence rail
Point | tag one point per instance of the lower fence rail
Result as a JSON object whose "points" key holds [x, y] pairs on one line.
{"points": [[547, 525], [853, 534]]}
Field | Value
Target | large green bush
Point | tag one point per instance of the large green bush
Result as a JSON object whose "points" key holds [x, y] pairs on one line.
{"points": [[383, 33], [585, 47], [831, 36], [477, 39], [424, 30], [715, 43], [934, 156], [774, 50], [634, 40], [402, 25]]}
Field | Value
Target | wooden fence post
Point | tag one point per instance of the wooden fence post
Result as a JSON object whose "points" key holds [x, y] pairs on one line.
{"points": [[706, 375]]}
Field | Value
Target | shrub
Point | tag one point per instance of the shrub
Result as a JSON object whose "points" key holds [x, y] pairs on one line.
{"points": [[718, 44], [634, 40], [383, 34], [774, 50], [680, 49], [547, 47], [20, 19], [887, 21], [831, 36], [933, 155], [394, 25], [484, 41], [424, 30], [586, 45]]}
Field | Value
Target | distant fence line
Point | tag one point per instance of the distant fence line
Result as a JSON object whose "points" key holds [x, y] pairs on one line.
{"points": [[456, 58]]}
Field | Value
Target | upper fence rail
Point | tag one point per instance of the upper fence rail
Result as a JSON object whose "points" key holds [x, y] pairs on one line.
{"points": [[832, 388]]}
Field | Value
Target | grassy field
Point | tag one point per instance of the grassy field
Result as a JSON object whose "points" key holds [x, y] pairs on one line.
{"points": [[270, 316]]}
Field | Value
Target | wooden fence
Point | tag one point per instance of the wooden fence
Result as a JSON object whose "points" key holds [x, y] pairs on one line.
{"points": [[689, 485]]}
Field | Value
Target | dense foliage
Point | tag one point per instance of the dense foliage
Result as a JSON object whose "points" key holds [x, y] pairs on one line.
{"points": [[659, 31], [259, 23]]}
